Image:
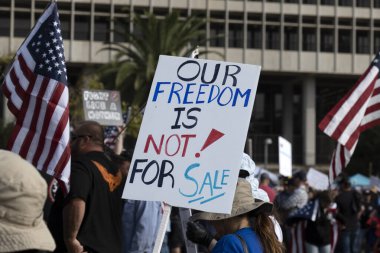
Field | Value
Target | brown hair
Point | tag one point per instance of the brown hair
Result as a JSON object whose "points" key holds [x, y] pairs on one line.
{"points": [[264, 228]]}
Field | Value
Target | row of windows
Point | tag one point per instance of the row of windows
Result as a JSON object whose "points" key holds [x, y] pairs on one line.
{"points": [[292, 39], [106, 7], [235, 34], [82, 26], [359, 3]]}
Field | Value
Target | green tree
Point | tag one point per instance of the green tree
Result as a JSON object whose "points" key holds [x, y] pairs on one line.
{"points": [[88, 79], [5, 127], [133, 69]]}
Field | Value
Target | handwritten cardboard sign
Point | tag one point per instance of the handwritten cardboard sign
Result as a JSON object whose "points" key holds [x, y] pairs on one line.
{"points": [[193, 132], [103, 106]]}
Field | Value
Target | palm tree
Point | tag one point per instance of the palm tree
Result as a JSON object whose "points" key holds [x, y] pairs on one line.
{"points": [[133, 69]]}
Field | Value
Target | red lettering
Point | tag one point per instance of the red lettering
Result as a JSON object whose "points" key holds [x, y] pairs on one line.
{"points": [[178, 145], [151, 140], [187, 137]]}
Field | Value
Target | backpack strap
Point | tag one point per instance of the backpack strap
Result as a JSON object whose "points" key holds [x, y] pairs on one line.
{"points": [[245, 247]]}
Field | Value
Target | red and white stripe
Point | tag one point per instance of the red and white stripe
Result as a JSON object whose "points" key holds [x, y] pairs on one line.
{"points": [[40, 105], [355, 112], [334, 235], [298, 237]]}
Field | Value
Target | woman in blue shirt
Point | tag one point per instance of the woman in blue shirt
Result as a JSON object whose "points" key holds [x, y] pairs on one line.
{"points": [[248, 229]]}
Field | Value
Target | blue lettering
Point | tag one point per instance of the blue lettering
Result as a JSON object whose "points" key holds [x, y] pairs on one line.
{"points": [[207, 181], [157, 90], [210, 98], [200, 92], [188, 92], [173, 90], [216, 180], [192, 166], [221, 95], [246, 94], [224, 175]]}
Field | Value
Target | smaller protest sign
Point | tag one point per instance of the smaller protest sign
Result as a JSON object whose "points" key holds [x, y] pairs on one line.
{"points": [[102, 106], [285, 156], [317, 179]]}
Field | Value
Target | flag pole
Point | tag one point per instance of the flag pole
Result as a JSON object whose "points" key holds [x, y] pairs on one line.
{"points": [[129, 120]]}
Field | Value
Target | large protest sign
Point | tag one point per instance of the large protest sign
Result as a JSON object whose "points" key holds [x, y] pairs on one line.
{"points": [[193, 133], [285, 157], [103, 106]]}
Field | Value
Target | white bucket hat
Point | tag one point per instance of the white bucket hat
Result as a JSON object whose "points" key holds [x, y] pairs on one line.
{"points": [[22, 196], [249, 165]]}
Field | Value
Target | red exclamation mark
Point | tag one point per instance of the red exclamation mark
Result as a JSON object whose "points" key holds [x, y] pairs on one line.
{"points": [[212, 137]]}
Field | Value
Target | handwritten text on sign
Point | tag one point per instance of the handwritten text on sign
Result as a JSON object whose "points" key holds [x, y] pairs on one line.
{"points": [[102, 106], [192, 136]]}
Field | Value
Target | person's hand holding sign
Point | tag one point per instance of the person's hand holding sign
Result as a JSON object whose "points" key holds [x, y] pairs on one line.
{"points": [[198, 234]]}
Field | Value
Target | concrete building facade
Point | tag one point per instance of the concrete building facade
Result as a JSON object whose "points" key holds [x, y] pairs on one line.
{"points": [[311, 52]]}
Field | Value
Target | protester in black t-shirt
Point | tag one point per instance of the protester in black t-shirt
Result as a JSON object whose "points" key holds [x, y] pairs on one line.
{"points": [[92, 215]]}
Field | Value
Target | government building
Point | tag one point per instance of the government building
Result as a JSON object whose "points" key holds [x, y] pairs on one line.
{"points": [[311, 53]]}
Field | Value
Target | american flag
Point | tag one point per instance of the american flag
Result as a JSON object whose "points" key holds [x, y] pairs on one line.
{"points": [[355, 112], [37, 92], [111, 132], [307, 212], [300, 219]]}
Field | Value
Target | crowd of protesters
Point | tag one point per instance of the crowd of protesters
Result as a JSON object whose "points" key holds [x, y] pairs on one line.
{"points": [[289, 217]]}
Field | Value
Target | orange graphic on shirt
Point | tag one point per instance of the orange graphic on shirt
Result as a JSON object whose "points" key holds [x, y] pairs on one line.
{"points": [[113, 181]]}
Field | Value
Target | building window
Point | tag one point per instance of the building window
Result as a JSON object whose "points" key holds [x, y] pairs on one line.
{"points": [[309, 39], [362, 42], [102, 29], [344, 41], [327, 40], [292, 1], [345, 2], [254, 37], [376, 4], [216, 34], [121, 26], [235, 35], [327, 2], [309, 1], [82, 27], [22, 24], [65, 25], [5, 3], [22, 4], [272, 37], [376, 42], [4, 23], [363, 3], [291, 38]]}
